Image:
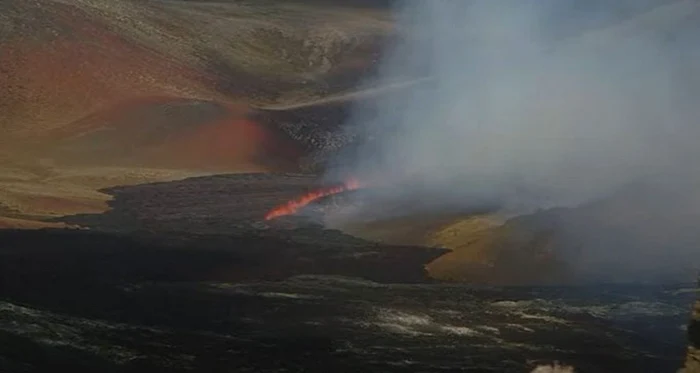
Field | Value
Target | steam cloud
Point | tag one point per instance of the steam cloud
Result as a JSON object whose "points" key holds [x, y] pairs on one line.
{"points": [[535, 104]]}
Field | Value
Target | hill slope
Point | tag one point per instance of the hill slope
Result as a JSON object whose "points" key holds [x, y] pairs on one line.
{"points": [[142, 91]]}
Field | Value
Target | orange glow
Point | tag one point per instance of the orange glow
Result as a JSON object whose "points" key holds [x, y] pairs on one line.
{"points": [[295, 205]]}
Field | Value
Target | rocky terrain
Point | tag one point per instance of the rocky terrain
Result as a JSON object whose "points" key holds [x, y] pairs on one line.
{"points": [[692, 363], [30, 258], [93, 302], [317, 128]]}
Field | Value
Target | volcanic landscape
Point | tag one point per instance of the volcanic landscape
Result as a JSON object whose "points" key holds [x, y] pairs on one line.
{"points": [[165, 207]]}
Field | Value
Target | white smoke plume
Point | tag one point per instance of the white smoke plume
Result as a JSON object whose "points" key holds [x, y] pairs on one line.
{"points": [[520, 109], [536, 104]]}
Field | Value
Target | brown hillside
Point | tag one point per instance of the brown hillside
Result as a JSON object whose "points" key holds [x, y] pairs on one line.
{"points": [[155, 89]]}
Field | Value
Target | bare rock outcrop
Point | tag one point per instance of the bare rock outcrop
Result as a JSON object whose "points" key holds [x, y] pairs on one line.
{"points": [[692, 362]]}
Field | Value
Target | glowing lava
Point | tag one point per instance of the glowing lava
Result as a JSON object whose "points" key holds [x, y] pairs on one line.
{"points": [[295, 205]]}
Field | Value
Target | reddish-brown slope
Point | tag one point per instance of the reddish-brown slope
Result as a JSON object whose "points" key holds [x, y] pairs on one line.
{"points": [[230, 141], [82, 84], [54, 80], [101, 97], [106, 88], [173, 133]]}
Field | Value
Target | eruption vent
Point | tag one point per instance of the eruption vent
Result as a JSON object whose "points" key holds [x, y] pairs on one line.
{"points": [[297, 204]]}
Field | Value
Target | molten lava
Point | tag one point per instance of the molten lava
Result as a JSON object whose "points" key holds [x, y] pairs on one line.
{"points": [[295, 205]]}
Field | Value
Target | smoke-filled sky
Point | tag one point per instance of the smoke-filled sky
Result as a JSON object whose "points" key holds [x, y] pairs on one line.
{"points": [[534, 103]]}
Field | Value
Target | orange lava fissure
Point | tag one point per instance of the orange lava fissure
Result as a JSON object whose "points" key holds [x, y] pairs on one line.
{"points": [[293, 206]]}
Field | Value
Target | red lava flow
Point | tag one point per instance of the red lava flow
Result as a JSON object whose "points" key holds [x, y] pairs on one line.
{"points": [[296, 204]]}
